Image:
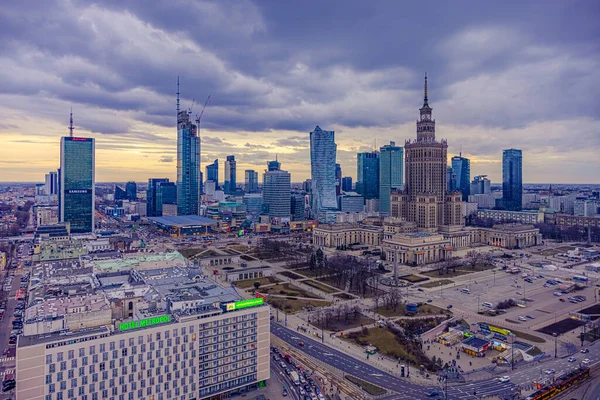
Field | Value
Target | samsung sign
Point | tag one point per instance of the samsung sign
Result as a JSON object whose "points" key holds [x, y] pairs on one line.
{"points": [[126, 326]]}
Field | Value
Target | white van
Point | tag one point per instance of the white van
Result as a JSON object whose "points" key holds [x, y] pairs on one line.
{"points": [[488, 305], [465, 290]]}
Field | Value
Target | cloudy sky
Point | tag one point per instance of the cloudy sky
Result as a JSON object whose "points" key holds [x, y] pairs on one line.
{"points": [[522, 74]]}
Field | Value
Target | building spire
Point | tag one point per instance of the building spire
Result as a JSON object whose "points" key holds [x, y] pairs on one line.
{"points": [[71, 124], [425, 91], [177, 95]]}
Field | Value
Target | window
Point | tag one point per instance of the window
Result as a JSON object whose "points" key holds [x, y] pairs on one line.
{"points": [[48, 359]]}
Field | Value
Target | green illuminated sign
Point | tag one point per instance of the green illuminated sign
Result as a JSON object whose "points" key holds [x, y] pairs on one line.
{"points": [[238, 305], [125, 326]]}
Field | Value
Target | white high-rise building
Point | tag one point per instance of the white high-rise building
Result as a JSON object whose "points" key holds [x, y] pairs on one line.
{"points": [[277, 194]]}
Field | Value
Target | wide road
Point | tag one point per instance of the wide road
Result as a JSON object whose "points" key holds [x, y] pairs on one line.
{"points": [[362, 370]]}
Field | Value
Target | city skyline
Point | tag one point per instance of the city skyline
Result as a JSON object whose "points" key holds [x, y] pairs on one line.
{"points": [[514, 78]]}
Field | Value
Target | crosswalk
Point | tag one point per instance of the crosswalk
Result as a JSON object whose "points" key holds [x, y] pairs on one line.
{"points": [[7, 372], [7, 359]]}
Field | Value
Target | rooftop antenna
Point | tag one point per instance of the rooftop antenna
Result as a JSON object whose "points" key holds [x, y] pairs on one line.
{"points": [[177, 94], [71, 124]]}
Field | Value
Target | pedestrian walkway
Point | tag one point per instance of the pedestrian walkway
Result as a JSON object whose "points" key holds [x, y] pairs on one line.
{"points": [[7, 372], [7, 359]]}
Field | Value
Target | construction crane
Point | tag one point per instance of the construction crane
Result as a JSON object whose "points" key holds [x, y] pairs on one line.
{"points": [[199, 117], [192, 106]]}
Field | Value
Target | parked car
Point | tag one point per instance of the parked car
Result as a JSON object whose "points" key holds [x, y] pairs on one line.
{"points": [[586, 350], [504, 378], [530, 316], [586, 361], [522, 318], [572, 359]]}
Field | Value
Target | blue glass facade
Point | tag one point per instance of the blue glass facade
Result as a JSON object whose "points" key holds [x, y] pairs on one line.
{"points": [[77, 180], [391, 174], [188, 166], [153, 207], [461, 167], [230, 184], [367, 182], [322, 167], [512, 179], [131, 189], [212, 172], [251, 181]]}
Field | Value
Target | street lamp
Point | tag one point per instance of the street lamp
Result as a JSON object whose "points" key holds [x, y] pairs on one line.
{"points": [[555, 343]]}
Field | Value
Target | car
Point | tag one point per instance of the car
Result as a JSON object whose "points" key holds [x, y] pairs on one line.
{"points": [[301, 344], [320, 396], [504, 378], [433, 393], [557, 293], [530, 316], [286, 370], [429, 300], [550, 371], [572, 359], [586, 361], [449, 306], [586, 350], [563, 300], [275, 358], [520, 293], [522, 318], [302, 392], [284, 392]]}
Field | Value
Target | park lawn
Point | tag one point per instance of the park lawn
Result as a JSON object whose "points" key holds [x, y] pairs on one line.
{"points": [[459, 271], [188, 252], [424, 309], [249, 283], [292, 305], [386, 343], [436, 284], [287, 289], [321, 287]]}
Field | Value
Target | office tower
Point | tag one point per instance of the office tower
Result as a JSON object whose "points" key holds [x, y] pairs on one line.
{"points": [[131, 189], [254, 203], [367, 177], [153, 208], [322, 167], [77, 196], [425, 199], [351, 202], [120, 194], [512, 179], [450, 180], [274, 165], [462, 169], [51, 183], [297, 207], [276, 194], [391, 174], [230, 184], [481, 185], [347, 184], [212, 172], [166, 193], [338, 179], [251, 181], [188, 164], [307, 185]]}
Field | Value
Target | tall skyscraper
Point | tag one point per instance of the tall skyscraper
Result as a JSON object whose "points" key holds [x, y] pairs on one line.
{"points": [[120, 194], [338, 179], [424, 199], [131, 189], [391, 174], [230, 184], [153, 207], [347, 184], [77, 183], [297, 207], [251, 181], [51, 183], [212, 172], [512, 179], [367, 177], [188, 163], [481, 185], [462, 169], [322, 167], [166, 193], [277, 194], [451, 180]]}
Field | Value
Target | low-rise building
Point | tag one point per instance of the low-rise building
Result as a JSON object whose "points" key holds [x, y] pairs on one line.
{"points": [[417, 248], [510, 236], [524, 217], [346, 234], [240, 274]]}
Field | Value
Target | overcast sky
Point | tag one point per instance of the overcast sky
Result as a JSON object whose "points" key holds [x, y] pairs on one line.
{"points": [[521, 74]]}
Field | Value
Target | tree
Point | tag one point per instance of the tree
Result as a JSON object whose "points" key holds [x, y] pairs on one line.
{"points": [[256, 285], [473, 258]]}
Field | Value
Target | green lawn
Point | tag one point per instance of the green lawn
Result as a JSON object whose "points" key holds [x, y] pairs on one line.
{"points": [[436, 284], [292, 305], [459, 271], [413, 278], [287, 289], [424, 309], [386, 343], [366, 386], [249, 283], [320, 286]]}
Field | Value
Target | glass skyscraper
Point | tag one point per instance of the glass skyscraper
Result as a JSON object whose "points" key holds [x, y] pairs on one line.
{"points": [[230, 184], [367, 181], [277, 194], [212, 172], [131, 189], [251, 181], [188, 165], [391, 174], [512, 179], [153, 207], [77, 178], [461, 167], [322, 166]]}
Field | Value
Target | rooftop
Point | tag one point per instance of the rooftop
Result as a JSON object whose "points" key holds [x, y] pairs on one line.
{"points": [[183, 221]]}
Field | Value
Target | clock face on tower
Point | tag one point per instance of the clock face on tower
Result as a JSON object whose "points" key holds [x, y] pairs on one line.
{"points": [[425, 117]]}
